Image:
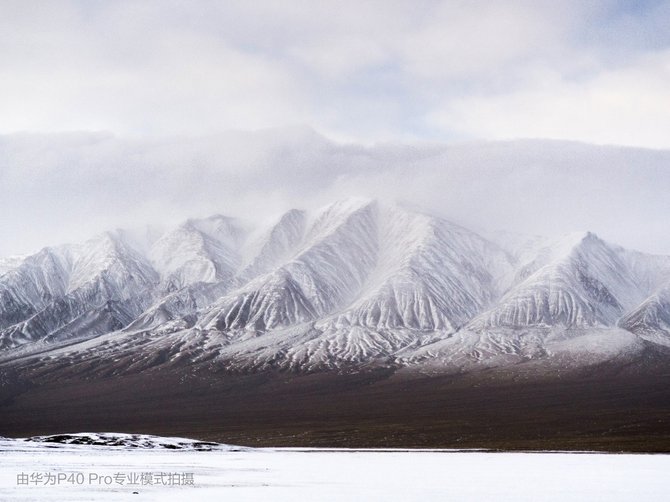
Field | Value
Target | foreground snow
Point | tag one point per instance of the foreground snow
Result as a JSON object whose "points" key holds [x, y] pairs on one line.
{"points": [[90, 472]]}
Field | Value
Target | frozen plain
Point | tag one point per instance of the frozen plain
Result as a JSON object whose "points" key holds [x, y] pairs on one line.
{"points": [[317, 474]]}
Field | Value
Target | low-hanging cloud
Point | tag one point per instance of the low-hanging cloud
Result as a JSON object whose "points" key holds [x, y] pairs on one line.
{"points": [[64, 187]]}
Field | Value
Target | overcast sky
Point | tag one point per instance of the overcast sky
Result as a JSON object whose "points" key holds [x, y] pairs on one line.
{"points": [[594, 71], [120, 112]]}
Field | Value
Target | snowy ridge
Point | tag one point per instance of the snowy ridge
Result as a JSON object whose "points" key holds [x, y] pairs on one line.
{"points": [[274, 245], [327, 269], [430, 275], [357, 283], [587, 283], [76, 291], [197, 251], [651, 319]]}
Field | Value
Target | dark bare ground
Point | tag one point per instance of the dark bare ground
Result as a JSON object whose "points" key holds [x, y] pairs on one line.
{"points": [[606, 411]]}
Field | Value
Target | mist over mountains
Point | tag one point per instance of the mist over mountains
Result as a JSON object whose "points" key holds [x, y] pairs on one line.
{"points": [[59, 188]]}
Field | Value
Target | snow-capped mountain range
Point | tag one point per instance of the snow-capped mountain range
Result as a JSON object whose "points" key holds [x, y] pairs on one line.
{"points": [[358, 283]]}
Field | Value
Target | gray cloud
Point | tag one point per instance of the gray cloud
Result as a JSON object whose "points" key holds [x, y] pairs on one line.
{"points": [[63, 187]]}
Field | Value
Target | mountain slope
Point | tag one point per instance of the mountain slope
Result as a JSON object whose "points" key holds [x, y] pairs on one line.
{"points": [[103, 283], [580, 282]]}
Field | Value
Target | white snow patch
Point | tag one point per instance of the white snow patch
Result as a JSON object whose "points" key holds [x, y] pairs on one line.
{"points": [[335, 475]]}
